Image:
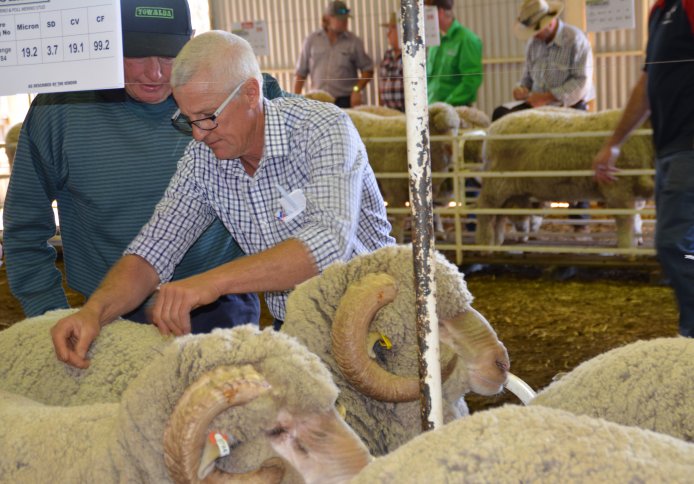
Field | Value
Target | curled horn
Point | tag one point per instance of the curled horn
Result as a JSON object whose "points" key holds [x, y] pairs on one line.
{"points": [[350, 329], [184, 438]]}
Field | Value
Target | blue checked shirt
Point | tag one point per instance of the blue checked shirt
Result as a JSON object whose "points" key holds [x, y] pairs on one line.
{"points": [[309, 146], [563, 67]]}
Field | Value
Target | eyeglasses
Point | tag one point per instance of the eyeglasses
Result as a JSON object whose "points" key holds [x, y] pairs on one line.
{"points": [[185, 125]]}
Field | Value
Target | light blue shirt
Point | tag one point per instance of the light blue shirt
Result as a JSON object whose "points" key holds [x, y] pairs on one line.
{"points": [[309, 146]]}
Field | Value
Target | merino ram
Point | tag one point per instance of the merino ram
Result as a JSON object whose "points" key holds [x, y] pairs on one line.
{"points": [[647, 384], [510, 444], [42, 377], [564, 153], [359, 317], [235, 383], [391, 157]]}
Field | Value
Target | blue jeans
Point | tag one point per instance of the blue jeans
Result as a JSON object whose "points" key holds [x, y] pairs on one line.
{"points": [[226, 312], [674, 239]]}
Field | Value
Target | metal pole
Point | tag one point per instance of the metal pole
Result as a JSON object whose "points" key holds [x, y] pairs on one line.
{"points": [[419, 166]]}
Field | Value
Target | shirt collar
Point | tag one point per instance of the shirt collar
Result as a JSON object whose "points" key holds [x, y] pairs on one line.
{"points": [[276, 138], [559, 36], [454, 26]]}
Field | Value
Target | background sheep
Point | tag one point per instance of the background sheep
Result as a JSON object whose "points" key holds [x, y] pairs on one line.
{"points": [[30, 368], [322, 96], [234, 381], [372, 390], [534, 444], [392, 156], [378, 110], [559, 154], [508, 444], [648, 384]]}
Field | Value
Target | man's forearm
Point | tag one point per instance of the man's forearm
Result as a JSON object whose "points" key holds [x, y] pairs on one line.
{"points": [[299, 84], [126, 285], [635, 113], [364, 80], [279, 268]]}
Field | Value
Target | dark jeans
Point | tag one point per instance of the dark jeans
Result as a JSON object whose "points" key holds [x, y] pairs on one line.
{"points": [[674, 231], [226, 312], [343, 101]]}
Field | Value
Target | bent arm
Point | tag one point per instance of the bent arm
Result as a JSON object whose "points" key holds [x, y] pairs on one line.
{"points": [[129, 282], [29, 223], [470, 68], [299, 82], [125, 286]]}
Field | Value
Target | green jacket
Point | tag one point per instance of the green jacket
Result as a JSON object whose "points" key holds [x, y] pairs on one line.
{"points": [[454, 68]]}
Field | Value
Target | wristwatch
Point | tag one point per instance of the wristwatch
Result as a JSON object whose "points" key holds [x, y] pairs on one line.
{"points": [[356, 88]]}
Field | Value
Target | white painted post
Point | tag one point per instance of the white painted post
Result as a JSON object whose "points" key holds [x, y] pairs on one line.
{"points": [[419, 166]]}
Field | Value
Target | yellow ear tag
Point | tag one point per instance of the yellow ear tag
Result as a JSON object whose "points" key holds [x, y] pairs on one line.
{"points": [[385, 342]]}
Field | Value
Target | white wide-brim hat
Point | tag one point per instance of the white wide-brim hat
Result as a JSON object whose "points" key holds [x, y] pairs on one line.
{"points": [[535, 15]]}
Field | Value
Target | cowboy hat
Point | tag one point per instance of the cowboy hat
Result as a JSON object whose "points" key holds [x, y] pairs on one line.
{"points": [[535, 15]]}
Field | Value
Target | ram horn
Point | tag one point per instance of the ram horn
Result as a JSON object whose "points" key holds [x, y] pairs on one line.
{"points": [[186, 432], [471, 336], [350, 330]]}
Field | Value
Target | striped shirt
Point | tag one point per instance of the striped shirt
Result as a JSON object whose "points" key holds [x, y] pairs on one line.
{"points": [[390, 87], [563, 67], [107, 160], [309, 146]]}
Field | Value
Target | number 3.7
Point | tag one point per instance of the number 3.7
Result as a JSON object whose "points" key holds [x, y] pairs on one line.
{"points": [[52, 49]]}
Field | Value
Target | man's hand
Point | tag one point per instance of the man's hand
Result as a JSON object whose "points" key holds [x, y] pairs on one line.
{"points": [[539, 99], [73, 335], [604, 164], [520, 93], [175, 301]]}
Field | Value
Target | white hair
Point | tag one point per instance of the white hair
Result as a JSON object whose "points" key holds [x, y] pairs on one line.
{"points": [[227, 58]]}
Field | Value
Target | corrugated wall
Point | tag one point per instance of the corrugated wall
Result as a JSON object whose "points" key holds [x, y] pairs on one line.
{"points": [[618, 54]]}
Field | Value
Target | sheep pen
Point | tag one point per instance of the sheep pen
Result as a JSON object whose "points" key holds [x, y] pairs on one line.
{"points": [[565, 153]]}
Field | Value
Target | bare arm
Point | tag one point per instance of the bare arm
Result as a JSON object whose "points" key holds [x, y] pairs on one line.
{"points": [[364, 79], [299, 84], [279, 268], [635, 113], [125, 286]]}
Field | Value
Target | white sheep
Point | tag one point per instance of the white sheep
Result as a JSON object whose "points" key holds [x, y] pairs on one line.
{"points": [[510, 444], [647, 384], [391, 157], [345, 316], [30, 368], [378, 110], [237, 382], [564, 153], [320, 95]]}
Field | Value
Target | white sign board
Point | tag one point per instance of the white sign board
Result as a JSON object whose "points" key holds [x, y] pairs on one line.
{"points": [[60, 45], [431, 26], [603, 15], [255, 32]]}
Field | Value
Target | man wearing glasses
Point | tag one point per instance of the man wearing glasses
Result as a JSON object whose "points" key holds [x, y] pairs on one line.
{"points": [[107, 157], [289, 178]]}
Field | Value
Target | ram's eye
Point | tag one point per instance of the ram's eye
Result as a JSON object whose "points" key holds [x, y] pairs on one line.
{"points": [[279, 430]]}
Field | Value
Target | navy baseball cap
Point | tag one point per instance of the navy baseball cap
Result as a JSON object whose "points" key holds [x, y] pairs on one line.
{"points": [[155, 28]]}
